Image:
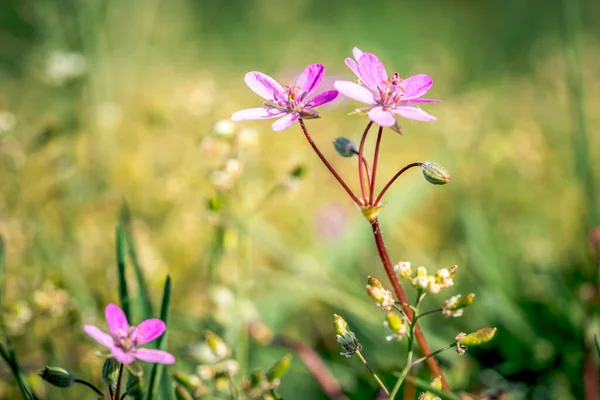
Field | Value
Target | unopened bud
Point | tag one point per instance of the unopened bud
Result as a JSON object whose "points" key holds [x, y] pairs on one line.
{"points": [[345, 147], [481, 336], [110, 372], [279, 368], [435, 173], [436, 383], [395, 326], [57, 376], [457, 302], [182, 394], [383, 298], [403, 269], [217, 345], [257, 378], [185, 380], [340, 325]]}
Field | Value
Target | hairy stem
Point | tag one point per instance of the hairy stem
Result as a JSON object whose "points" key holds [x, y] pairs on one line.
{"points": [[361, 149], [377, 379], [389, 269], [375, 162], [327, 164], [387, 186]]}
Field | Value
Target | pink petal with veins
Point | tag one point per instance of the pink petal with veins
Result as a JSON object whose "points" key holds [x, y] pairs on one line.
{"points": [[412, 112], [416, 86], [154, 356], [116, 320], [99, 335], [355, 92], [372, 71], [148, 330], [256, 113], [382, 116], [264, 86], [310, 78], [322, 98], [285, 122], [122, 356]]}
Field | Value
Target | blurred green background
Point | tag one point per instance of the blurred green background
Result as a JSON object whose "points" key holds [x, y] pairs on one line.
{"points": [[107, 101]]}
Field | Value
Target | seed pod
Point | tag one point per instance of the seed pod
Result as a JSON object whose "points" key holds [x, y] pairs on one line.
{"points": [[481, 336], [57, 376], [345, 147], [435, 173]]}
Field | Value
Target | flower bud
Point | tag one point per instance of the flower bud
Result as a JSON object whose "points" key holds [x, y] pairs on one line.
{"points": [[110, 372], [57, 376], [340, 325], [185, 380], [383, 298], [435, 173], [182, 394], [217, 345], [455, 304], [395, 326], [279, 368], [481, 336], [403, 269], [436, 383], [345, 147], [257, 378]]}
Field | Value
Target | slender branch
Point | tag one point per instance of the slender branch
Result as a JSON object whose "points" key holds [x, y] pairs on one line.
{"points": [[124, 396], [429, 312], [366, 165], [327, 164], [387, 186], [377, 379], [118, 390], [375, 162], [361, 149], [438, 351], [315, 366], [94, 388], [389, 269]]}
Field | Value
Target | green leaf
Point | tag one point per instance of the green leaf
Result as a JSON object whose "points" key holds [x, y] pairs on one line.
{"points": [[158, 371], [144, 303], [123, 294]]}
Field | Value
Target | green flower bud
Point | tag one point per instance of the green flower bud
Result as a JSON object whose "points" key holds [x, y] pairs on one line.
{"points": [[279, 368], [57, 376], [435, 173], [383, 298], [110, 372], [182, 394], [257, 378], [345, 147], [186, 380], [394, 320], [481, 336], [436, 383], [134, 387], [340, 325], [217, 345]]}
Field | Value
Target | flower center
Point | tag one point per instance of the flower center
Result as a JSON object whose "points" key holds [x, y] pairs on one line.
{"points": [[391, 92], [295, 97], [126, 340]]}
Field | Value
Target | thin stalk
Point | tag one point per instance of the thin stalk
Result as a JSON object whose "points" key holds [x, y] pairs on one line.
{"points": [[438, 351], [118, 390], [429, 312], [375, 162], [389, 269], [409, 356], [361, 149], [327, 164], [124, 396], [366, 165], [387, 186], [379, 382], [426, 386], [94, 388]]}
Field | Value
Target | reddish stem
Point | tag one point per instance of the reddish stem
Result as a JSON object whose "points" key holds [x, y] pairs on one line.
{"points": [[389, 269], [329, 166], [387, 186], [361, 149], [366, 165], [375, 161]]}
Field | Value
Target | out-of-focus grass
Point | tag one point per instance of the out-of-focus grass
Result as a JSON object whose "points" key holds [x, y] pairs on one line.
{"points": [[159, 75]]}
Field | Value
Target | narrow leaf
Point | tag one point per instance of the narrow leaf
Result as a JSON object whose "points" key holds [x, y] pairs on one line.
{"points": [[158, 370], [123, 294], [144, 302]]}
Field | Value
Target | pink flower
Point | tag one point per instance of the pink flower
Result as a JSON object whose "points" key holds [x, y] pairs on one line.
{"points": [[125, 339], [290, 102], [385, 95]]}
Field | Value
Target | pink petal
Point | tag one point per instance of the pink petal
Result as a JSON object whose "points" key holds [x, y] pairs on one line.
{"points": [[416, 86], [420, 100], [412, 112], [148, 330], [256, 113], [355, 92], [372, 71], [154, 356], [264, 86], [116, 320], [382, 117], [353, 65], [323, 98], [122, 356], [285, 122], [310, 79], [99, 335], [357, 53]]}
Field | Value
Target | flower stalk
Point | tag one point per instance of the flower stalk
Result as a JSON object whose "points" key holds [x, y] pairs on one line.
{"points": [[375, 376]]}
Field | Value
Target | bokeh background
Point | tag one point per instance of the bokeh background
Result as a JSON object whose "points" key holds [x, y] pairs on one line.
{"points": [[106, 103]]}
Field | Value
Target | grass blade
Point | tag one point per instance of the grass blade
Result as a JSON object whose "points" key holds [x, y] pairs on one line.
{"points": [[158, 370], [1, 269], [123, 293]]}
